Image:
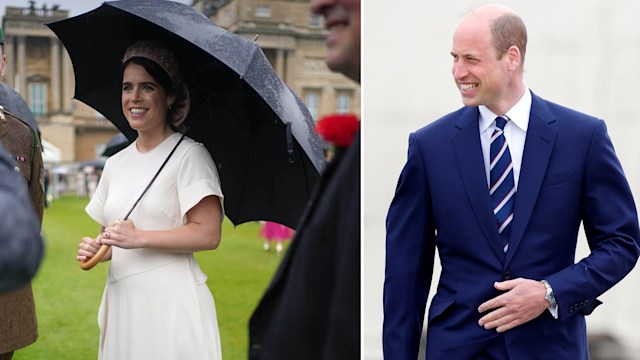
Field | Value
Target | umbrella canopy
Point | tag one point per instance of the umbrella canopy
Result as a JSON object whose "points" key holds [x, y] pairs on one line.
{"points": [[257, 130], [115, 144]]}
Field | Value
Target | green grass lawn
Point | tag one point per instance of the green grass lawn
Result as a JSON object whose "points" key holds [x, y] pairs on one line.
{"points": [[67, 298]]}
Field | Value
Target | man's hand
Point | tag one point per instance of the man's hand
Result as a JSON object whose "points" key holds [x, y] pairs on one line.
{"points": [[523, 302]]}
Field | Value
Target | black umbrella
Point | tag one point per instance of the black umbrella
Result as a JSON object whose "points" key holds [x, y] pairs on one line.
{"points": [[115, 144], [258, 131]]}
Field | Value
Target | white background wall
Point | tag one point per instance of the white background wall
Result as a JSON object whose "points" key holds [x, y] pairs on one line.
{"points": [[584, 54]]}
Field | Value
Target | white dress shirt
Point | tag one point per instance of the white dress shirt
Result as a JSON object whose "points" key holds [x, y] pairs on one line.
{"points": [[515, 133]]}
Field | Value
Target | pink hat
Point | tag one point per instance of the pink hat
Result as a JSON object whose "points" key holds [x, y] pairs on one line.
{"points": [[164, 57]]}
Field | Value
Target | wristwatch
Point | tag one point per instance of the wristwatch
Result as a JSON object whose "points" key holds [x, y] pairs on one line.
{"points": [[550, 297]]}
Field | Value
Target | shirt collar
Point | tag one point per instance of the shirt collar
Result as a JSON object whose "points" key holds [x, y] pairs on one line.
{"points": [[518, 114]]}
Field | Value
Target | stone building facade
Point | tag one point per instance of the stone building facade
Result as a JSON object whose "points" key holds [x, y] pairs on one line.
{"points": [[40, 69], [293, 40]]}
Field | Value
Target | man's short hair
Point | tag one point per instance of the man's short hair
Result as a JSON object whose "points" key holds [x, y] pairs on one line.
{"points": [[509, 30]]}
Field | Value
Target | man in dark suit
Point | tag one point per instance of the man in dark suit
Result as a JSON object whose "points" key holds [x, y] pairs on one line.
{"points": [[18, 325], [311, 309], [500, 188]]}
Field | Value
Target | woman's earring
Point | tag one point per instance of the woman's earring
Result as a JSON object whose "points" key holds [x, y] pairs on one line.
{"points": [[170, 106]]}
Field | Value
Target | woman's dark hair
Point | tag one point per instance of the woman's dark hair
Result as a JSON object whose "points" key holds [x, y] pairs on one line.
{"points": [[156, 72]]}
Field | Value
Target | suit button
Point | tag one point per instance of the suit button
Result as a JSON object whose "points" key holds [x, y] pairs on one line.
{"points": [[506, 276]]}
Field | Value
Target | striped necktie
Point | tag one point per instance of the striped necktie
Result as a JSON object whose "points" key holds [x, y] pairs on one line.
{"points": [[502, 185]]}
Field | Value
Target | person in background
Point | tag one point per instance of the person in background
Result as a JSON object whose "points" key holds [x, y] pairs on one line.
{"points": [[275, 233], [18, 324], [47, 180], [501, 187], [311, 309]]}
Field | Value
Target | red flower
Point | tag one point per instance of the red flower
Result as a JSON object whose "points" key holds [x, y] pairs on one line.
{"points": [[338, 129]]}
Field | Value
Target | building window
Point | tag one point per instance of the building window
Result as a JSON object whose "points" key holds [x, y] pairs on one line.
{"points": [[263, 11], [38, 98], [312, 100], [343, 103], [315, 20]]}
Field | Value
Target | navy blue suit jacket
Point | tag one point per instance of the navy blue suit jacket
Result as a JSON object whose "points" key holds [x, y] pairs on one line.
{"points": [[570, 174]]}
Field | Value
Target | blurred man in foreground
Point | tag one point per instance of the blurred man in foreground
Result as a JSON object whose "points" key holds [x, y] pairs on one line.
{"points": [[311, 309]]}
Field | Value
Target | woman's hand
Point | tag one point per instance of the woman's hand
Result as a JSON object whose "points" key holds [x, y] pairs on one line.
{"points": [[123, 234], [88, 248]]}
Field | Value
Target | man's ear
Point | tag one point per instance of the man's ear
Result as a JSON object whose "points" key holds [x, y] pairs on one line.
{"points": [[515, 57]]}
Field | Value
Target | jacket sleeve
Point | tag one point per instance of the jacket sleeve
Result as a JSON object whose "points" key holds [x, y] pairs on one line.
{"points": [[611, 226], [21, 246], [410, 251]]}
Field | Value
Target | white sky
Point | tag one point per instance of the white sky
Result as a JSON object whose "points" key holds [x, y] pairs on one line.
{"points": [[76, 7]]}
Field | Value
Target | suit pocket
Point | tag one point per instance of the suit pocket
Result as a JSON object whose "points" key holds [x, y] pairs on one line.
{"points": [[439, 309], [561, 178]]}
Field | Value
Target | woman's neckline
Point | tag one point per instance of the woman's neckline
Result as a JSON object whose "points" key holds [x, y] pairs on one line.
{"points": [[159, 145]]}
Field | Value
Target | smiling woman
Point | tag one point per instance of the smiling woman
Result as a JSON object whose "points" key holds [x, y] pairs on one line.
{"points": [[153, 269], [145, 102], [154, 96]]}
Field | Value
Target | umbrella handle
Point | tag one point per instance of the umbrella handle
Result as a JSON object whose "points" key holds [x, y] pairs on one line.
{"points": [[89, 264]]}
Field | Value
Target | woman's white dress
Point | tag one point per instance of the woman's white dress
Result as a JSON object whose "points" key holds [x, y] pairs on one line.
{"points": [[156, 304]]}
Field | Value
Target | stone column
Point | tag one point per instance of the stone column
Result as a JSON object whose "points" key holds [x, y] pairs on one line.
{"points": [[21, 63], [68, 83], [55, 75], [10, 66]]}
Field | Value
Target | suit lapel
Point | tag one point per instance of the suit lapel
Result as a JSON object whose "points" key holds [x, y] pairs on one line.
{"points": [[535, 158], [468, 152]]}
